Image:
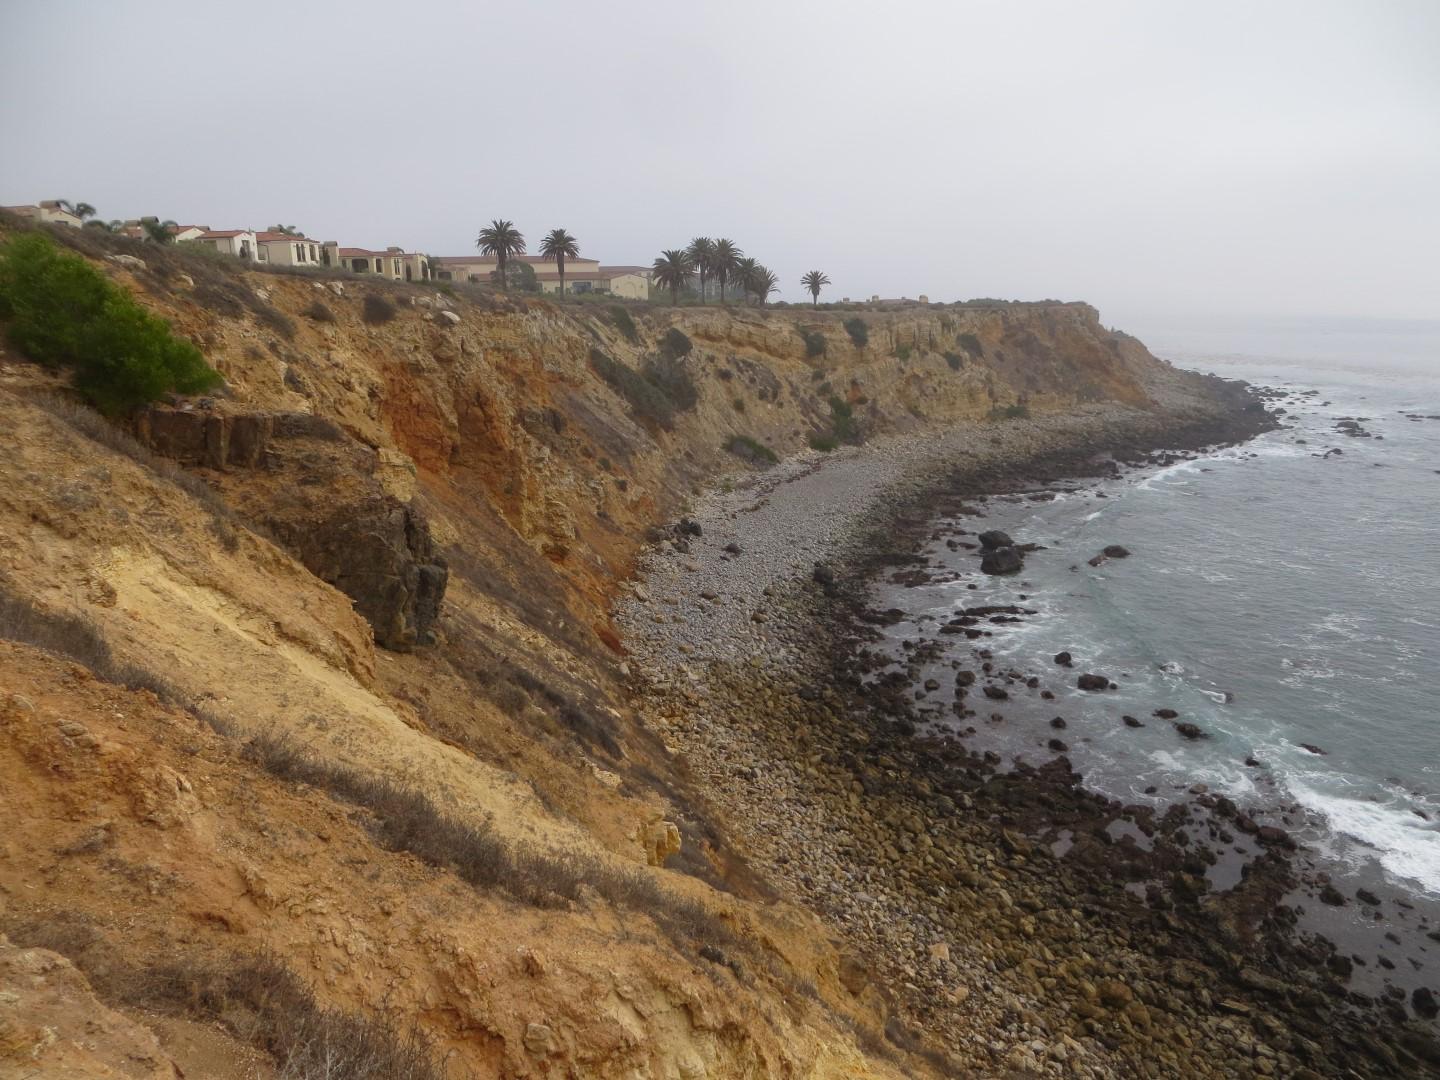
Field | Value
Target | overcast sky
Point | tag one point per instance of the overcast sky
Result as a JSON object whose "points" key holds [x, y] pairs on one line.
{"points": [[1151, 157]]}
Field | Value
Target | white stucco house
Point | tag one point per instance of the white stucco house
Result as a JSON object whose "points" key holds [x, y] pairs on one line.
{"points": [[284, 249], [48, 211], [238, 242], [581, 275], [394, 263]]}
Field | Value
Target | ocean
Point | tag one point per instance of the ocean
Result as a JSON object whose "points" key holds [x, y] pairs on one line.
{"points": [[1283, 596]]}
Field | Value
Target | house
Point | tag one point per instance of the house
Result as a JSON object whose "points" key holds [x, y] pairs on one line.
{"points": [[238, 242], [394, 263], [581, 275], [285, 249], [49, 211], [184, 233]]}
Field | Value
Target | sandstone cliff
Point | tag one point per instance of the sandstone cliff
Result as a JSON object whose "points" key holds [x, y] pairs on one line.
{"points": [[386, 554]]}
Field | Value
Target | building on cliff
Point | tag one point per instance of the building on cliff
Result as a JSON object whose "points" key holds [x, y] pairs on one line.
{"points": [[286, 249], [581, 275], [49, 211]]}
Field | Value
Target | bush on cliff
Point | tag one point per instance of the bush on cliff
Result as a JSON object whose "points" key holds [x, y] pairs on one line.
{"points": [[656, 395], [814, 342], [751, 451], [64, 313], [623, 322], [376, 310], [675, 344], [858, 331], [971, 344]]}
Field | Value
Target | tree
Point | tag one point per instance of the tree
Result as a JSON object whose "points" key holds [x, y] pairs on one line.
{"points": [[519, 276], [501, 239], [560, 245], [745, 272], [702, 257], [673, 270], [157, 231], [813, 282], [766, 283], [82, 210], [106, 226], [285, 230], [725, 263]]}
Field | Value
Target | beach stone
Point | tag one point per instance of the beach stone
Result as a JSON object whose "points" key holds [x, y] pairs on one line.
{"points": [[1365, 896], [1090, 681], [1165, 714], [1130, 721], [1064, 659], [1422, 1000], [1332, 896]]}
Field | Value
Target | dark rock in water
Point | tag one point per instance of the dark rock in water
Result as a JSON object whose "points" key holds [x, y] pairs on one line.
{"points": [[1252, 762], [1365, 896], [1274, 836], [1313, 748], [1092, 682], [995, 539], [994, 693], [1063, 658], [1332, 896], [1116, 551], [1424, 1003], [1130, 721], [1047, 695], [1002, 560], [823, 574], [1166, 714], [1095, 560], [1033, 683], [1341, 966], [1058, 723], [964, 678], [1189, 731], [1057, 745]]}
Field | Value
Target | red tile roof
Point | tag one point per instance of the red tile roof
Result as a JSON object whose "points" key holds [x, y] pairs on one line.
{"points": [[267, 235], [216, 234]]}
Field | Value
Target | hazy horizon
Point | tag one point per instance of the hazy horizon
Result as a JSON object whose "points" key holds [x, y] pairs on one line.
{"points": [[1153, 160]]}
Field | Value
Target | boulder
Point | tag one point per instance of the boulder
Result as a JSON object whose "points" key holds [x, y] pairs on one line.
{"points": [[1092, 682], [1130, 721], [1189, 731], [128, 261], [993, 539], [447, 318], [995, 693], [661, 839], [1002, 560], [1115, 551], [1064, 659], [1422, 999], [822, 574], [1166, 714]]}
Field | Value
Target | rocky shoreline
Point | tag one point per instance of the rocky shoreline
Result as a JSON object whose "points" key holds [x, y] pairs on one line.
{"points": [[925, 859]]}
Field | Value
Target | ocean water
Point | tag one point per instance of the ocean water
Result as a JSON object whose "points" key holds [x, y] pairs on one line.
{"points": [[1279, 597]]}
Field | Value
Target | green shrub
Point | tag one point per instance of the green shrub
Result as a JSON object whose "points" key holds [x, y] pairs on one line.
{"points": [[748, 449], [675, 343], [673, 377], [902, 353], [842, 421], [63, 313], [954, 361], [376, 310], [654, 396], [858, 331], [971, 344], [319, 312], [623, 322], [814, 343], [823, 443], [1010, 412]]}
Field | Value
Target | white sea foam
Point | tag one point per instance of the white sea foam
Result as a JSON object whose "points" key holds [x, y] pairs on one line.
{"points": [[1404, 844]]}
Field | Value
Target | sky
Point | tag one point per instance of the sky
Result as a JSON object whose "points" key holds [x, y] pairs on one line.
{"points": [[1155, 158]]}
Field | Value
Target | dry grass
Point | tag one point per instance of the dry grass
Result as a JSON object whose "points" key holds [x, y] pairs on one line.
{"points": [[255, 997]]}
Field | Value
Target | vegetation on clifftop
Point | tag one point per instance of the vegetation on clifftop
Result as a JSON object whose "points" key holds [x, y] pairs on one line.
{"points": [[64, 313]]}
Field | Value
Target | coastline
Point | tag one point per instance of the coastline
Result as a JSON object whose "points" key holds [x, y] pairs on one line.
{"points": [[917, 851]]}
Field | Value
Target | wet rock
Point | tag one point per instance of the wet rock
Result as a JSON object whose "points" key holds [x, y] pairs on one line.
{"points": [[1332, 896], [964, 678], [1058, 723], [1090, 681], [822, 574], [1165, 714], [1064, 659], [1424, 1003], [1189, 731], [1116, 551], [1058, 745], [993, 539], [995, 693], [1274, 836], [1003, 560], [1130, 721], [1365, 896], [1312, 748]]}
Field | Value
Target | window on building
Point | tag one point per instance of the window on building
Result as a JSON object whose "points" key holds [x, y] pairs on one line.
{"points": [[395, 267], [299, 250], [312, 253]]}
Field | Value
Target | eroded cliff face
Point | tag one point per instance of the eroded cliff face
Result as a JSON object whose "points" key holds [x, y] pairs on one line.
{"points": [[461, 484]]}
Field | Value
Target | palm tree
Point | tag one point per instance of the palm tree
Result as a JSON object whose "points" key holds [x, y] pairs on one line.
{"points": [[726, 263], [702, 257], [673, 270], [560, 245], [107, 226], [813, 282], [501, 239], [766, 282], [82, 210], [285, 230], [157, 231]]}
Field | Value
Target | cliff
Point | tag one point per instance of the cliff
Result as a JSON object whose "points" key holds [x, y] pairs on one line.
{"points": [[321, 669]]}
